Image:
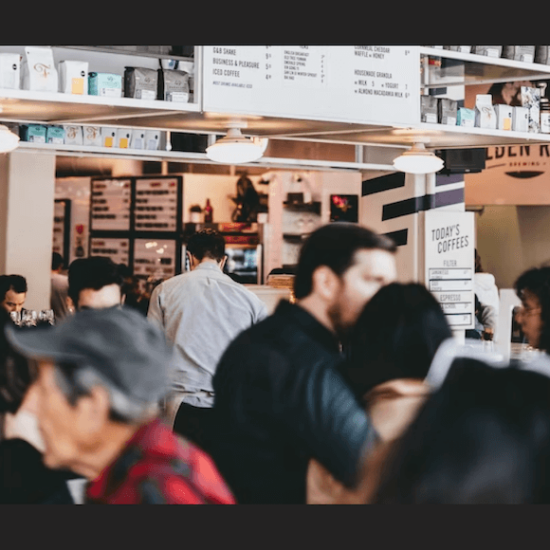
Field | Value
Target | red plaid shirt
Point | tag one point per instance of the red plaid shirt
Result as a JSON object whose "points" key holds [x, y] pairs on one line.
{"points": [[157, 467]]}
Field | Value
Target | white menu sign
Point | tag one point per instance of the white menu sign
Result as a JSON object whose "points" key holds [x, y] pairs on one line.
{"points": [[110, 202], [116, 249], [156, 204], [155, 258], [361, 84], [450, 263]]}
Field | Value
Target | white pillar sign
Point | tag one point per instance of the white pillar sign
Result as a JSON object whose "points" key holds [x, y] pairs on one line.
{"points": [[358, 84], [450, 263]]}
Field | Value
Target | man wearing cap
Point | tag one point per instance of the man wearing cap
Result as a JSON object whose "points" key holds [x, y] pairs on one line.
{"points": [[101, 376]]}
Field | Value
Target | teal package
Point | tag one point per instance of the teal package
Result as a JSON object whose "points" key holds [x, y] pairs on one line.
{"points": [[33, 132], [465, 117], [105, 84], [55, 134]]}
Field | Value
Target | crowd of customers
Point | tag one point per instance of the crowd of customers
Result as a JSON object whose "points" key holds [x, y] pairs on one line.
{"points": [[354, 392]]}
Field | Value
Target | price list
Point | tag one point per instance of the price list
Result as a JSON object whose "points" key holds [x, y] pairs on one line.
{"points": [[155, 258], [110, 205], [59, 228], [156, 204], [361, 84], [116, 249]]}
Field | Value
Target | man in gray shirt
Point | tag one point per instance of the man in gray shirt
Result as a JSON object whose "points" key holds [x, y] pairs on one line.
{"points": [[201, 312]]}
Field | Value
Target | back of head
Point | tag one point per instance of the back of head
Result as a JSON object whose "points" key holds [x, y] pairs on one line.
{"points": [[334, 245], [536, 281], [483, 438], [396, 336], [207, 244], [57, 261], [94, 272], [17, 283]]}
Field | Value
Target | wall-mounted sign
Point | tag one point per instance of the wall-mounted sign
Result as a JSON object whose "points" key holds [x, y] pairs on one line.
{"points": [[361, 84], [156, 204], [110, 205], [155, 258], [116, 249], [450, 263]]}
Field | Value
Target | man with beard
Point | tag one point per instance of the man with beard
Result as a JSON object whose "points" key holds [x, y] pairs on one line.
{"points": [[279, 400]]}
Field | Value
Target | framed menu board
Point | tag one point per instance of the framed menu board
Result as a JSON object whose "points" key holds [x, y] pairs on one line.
{"points": [[116, 249], [157, 204], [110, 204], [61, 228], [155, 258]]}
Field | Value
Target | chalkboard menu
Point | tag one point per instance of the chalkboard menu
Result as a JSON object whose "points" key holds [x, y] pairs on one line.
{"points": [[110, 204], [116, 249], [155, 258], [156, 204]]}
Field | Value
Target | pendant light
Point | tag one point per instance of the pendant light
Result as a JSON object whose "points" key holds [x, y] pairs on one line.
{"points": [[234, 148], [8, 140], [417, 160]]}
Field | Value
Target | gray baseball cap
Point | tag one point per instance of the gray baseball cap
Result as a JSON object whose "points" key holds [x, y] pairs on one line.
{"points": [[118, 344]]}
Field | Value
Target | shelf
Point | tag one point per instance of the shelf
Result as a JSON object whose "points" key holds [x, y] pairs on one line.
{"points": [[119, 50], [473, 69]]}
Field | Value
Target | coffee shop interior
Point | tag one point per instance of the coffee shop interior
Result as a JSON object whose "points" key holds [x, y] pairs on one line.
{"points": [[147, 176]]}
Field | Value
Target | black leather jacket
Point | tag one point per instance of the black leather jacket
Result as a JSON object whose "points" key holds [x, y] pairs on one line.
{"points": [[280, 401]]}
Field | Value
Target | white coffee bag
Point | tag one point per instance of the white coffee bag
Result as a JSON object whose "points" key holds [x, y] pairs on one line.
{"points": [[108, 137], [73, 134], [137, 140], [38, 70], [91, 135], [73, 77], [123, 137], [10, 71]]}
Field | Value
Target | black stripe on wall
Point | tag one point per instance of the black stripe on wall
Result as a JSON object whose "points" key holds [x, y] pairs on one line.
{"points": [[406, 207], [446, 198], [441, 179], [383, 183], [399, 237]]}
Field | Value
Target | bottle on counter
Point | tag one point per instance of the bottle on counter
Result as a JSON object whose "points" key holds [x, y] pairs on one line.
{"points": [[208, 212]]}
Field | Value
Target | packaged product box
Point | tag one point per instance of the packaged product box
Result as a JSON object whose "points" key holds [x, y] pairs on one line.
{"points": [[490, 51], [461, 49], [520, 120], [55, 134], [152, 140], [485, 116], [519, 53], [465, 117], [140, 83], [173, 86], [447, 109], [38, 70], [123, 137], [108, 137], [73, 77], [73, 134], [91, 135], [428, 109], [10, 71], [33, 132], [137, 141], [530, 98], [504, 114], [542, 55], [105, 84]]}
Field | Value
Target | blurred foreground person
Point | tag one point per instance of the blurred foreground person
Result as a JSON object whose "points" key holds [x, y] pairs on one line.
{"points": [[94, 282], [391, 349], [279, 400], [533, 289], [13, 292], [101, 376], [482, 438], [24, 479]]}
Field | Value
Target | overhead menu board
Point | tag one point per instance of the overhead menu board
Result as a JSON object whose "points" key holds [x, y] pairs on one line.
{"points": [[155, 258], [110, 205], [116, 249], [361, 84], [450, 259], [156, 204]]}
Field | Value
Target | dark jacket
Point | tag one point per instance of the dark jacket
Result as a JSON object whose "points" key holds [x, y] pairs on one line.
{"points": [[279, 401]]}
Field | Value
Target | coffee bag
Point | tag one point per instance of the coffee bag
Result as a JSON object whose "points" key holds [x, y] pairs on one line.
{"points": [[73, 77], [91, 135], [10, 71], [38, 70], [174, 86], [73, 134], [140, 83]]}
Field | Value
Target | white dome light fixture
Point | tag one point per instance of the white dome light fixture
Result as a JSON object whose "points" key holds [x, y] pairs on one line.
{"points": [[417, 160], [234, 148], [8, 140]]}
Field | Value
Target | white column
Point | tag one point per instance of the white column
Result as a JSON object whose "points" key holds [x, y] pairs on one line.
{"points": [[27, 189]]}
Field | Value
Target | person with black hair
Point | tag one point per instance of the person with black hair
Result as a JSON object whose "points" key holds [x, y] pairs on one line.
{"points": [[94, 282], [279, 399], [392, 346], [201, 312], [24, 479], [482, 438], [533, 289], [13, 292]]}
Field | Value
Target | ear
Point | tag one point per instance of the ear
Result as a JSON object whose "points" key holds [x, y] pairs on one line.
{"points": [[93, 411], [222, 262], [70, 304], [193, 262], [326, 283]]}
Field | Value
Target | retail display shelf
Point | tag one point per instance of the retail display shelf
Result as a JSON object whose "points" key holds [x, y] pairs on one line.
{"points": [[121, 50], [471, 69]]}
